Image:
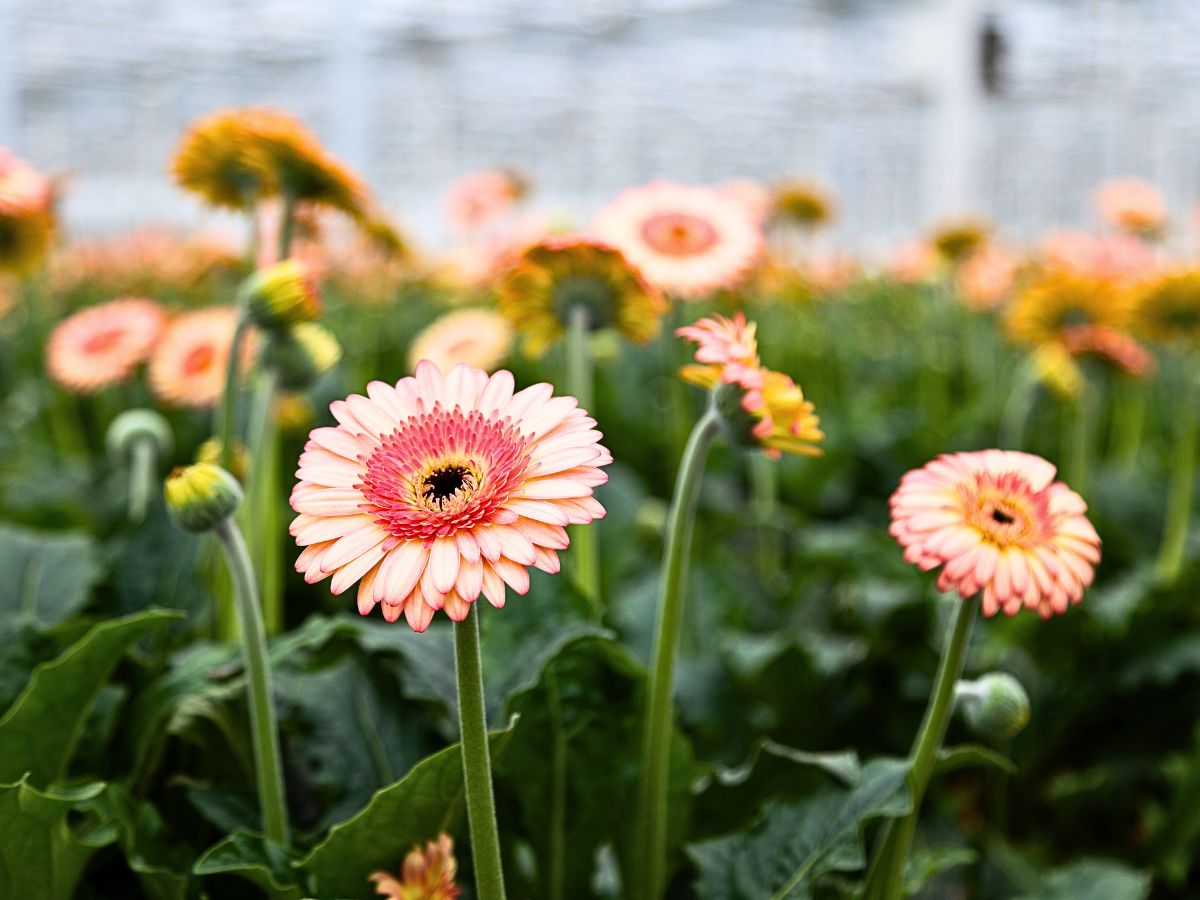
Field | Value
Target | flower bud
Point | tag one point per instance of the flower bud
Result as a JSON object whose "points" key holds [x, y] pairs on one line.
{"points": [[281, 295], [301, 354], [201, 496], [134, 426], [239, 465], [995, 706]]}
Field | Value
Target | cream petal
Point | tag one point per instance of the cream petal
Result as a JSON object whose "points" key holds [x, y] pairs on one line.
{"points": [[400, 571], [444, 560]]}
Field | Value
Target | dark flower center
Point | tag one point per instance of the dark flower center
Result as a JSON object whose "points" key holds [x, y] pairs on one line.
{"points": [[1000, 516], [442, 484]]}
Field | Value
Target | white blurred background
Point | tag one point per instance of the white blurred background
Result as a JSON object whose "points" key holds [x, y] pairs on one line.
{"points": [[909, 109]]}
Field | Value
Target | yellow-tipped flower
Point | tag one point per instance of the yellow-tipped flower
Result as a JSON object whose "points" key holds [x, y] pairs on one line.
{"points": [[804, 203], [282, 295], [559, 274], [1167, 309], [955, 241], [1058, 300], [201, 496], [26, 214], [302, 354], [428, 874]]}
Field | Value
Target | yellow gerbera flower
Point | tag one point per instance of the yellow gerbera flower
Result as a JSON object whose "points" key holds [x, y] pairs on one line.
{"points": [[1167, 309], [955, 241], [1058, 300]]}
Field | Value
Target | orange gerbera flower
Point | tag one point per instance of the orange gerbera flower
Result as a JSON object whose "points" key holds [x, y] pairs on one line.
{"points": [[480, 338], [188, 366], [428, 874], [996, 521], [1132, 205], [101, 346]]}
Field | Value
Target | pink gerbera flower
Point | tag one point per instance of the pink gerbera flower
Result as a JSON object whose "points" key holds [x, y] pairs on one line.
{"points": [[479, 199], [438, 489], [101, 346], [188, 365], [1132, 205], [729, 343], [685, 240], [997, 521]]}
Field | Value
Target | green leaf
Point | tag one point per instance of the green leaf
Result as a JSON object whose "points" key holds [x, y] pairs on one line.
{"points": [[39, 732], [258, 860], [794, 844], [925, 863], [970, 756], [41, 857], [47, 575], [1093, 878], [426, 801], [160, 869]]}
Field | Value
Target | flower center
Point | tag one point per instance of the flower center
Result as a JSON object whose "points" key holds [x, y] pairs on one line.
{"points": [[679, 234], [199, 359], [442, 484], [103, 341]]}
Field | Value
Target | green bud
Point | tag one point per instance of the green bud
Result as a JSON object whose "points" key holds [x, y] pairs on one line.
{"points": [[995, 706], [281, 295], [136, 425], [201, 496], [301, 354]]}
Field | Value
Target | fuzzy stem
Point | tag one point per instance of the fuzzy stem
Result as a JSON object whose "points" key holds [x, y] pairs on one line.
{"points": [[885, 878], [764, 487], [656, 739], [264, 731], [1128, 422], [262, 513], [1079, 439], [1183, 476], [585, 554], [227, 411], [1015, 414], [477, 763], [142, 479]]}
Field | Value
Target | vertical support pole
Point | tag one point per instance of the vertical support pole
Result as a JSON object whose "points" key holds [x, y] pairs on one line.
{"points": [[350, 88], [950, 185]]}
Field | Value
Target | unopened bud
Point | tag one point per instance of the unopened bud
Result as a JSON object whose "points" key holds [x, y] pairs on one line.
{"points": [[281, 295], [136, 425], [201, 496], [301, 354], [995, 706]]}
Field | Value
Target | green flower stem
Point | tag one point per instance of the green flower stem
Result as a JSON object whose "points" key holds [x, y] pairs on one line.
{"points": [[585, 554], [477, 762], [227, 411], [264, 732], [1017, 409], [656, 739], [1183, 478], [764, 488], [287, 227], [143, 481], [262, 508], [885, 878], [1079, 439], [1128, 422]]}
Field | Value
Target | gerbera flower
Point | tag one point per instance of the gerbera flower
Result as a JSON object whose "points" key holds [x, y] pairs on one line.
{"points": [[558, 274], [996, 521], [480, 338], [188, 366], [685, 240], [804, 203], [480, 199], [1117, 257], [101, 346], [1132, 205], [957, 240], [1057, 300], [987, 278], [26, 213], [1110, 346], [428, 874], [439, 489], [1168, 308], [723, 344]]}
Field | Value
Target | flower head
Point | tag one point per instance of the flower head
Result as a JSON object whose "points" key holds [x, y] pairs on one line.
{"points": [[723, 344], [200, 496], [428, 874], [1111, 346], [441, 488], [804, 203], [188, 366], [957, 240], [987, 278], [1132, 205], [480, 199], [557, 276], [480, 338], [1167, 309], [102, 345], [996, 521], [685, 240], [1117, 257], [1056, 300], [26, 213]]}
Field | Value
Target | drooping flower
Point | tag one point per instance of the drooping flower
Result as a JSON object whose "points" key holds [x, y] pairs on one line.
{"points": [[441, 488], [1110, 346], [102, 345], [1167, 309], [996, 521], [553, 277], [428, 874], [804, 203], [1132, 205], [759, 407], [480, 338], [957, 240], [987, 278], [1056, 300], [685, 240], [188, 366], [26, 213], [480, 199]]}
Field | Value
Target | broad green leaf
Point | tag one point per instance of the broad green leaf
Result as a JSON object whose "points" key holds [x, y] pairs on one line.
{"points": [[1099, 878], [47, 575], [39, 732], [41, 856], [258, 860], [426, 801], [925, 863], [970, 756], [143, 838], [794, 844]]}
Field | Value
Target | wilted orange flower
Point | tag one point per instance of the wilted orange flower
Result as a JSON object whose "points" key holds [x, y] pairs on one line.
{"points": [[685, 240], [480, 199], [986, 279], [101, 346], [442, 488], [1132, 205], [428, 874], [997, 522], [481, 338], [559, 274], [188, 365], [26, 213]]}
